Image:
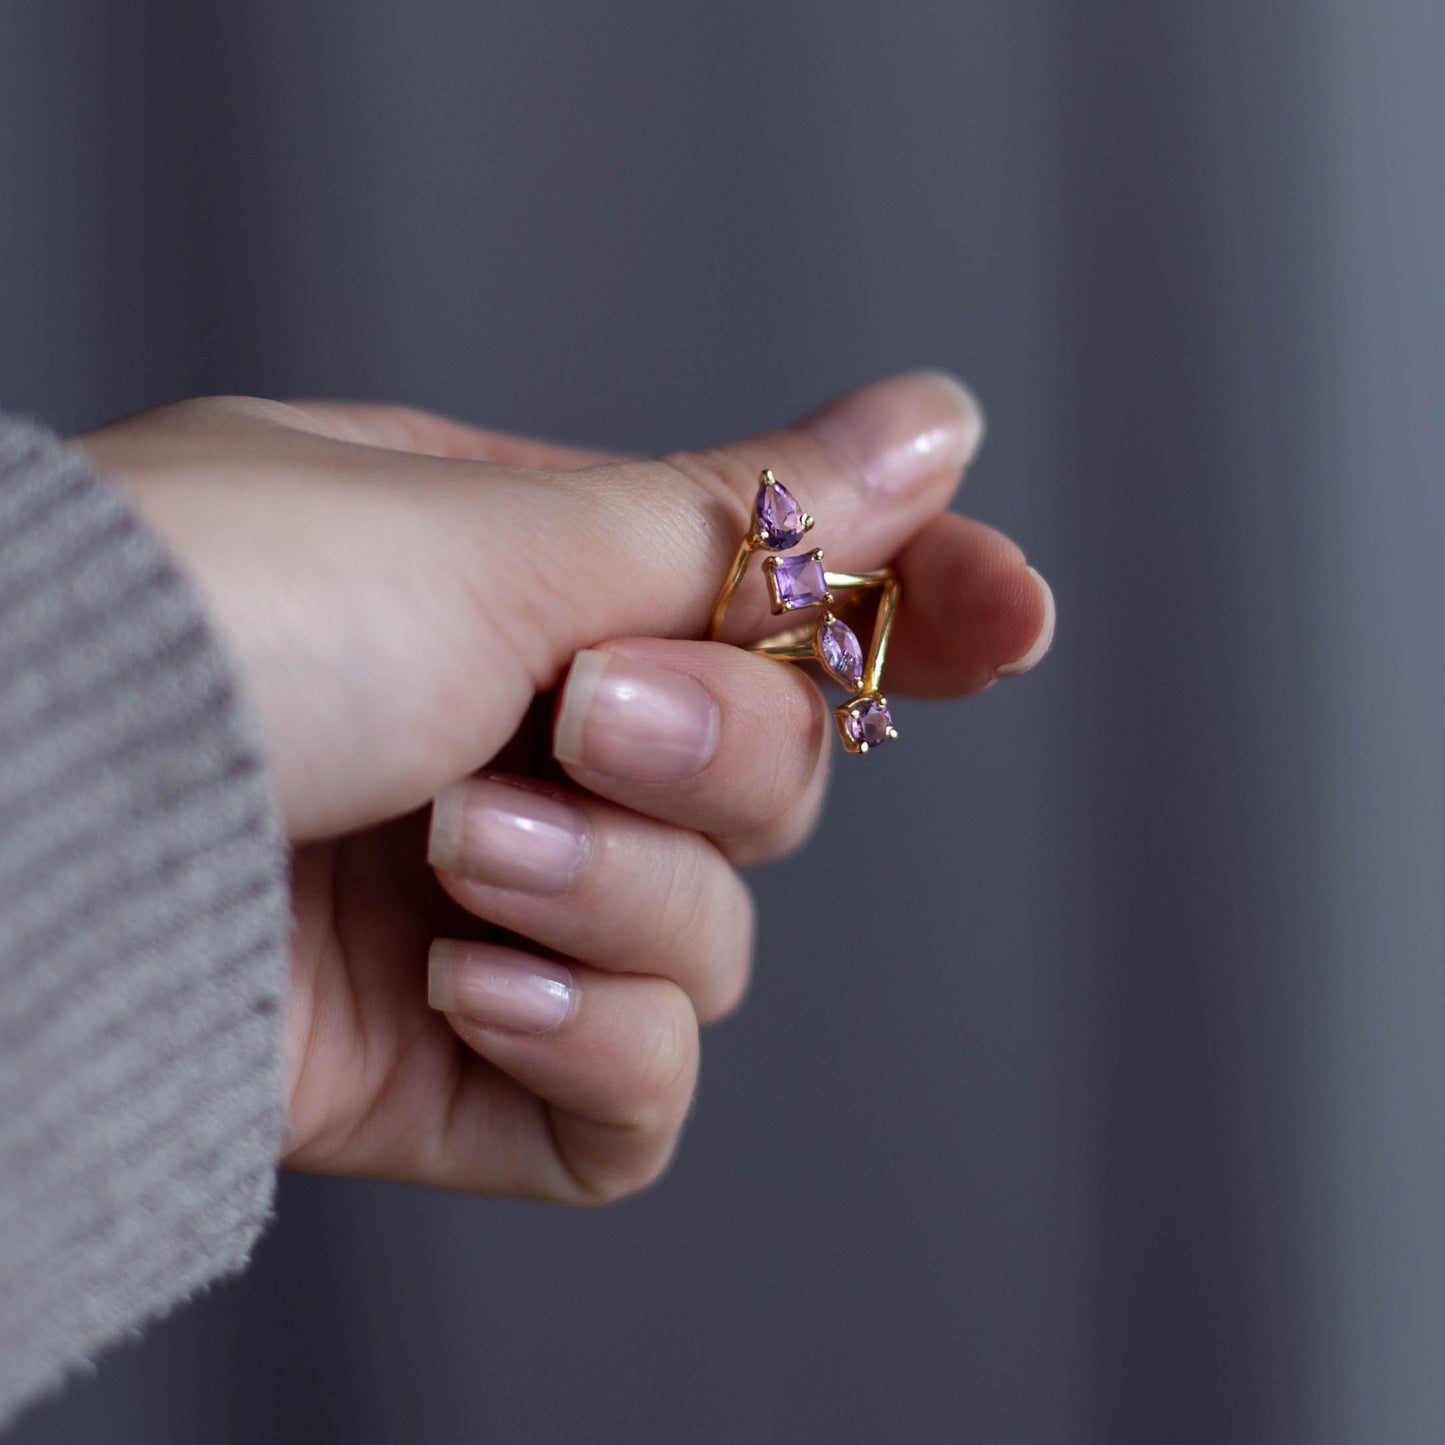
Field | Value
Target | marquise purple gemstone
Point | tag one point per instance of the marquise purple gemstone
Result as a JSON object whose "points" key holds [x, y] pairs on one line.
{"points": [[780, 518], [798, 581], [842, 652], [868, 722]]}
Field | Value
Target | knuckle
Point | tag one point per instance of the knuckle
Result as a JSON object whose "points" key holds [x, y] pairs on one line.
{"points": [[720, 475], [730, 470], [406, 428], [788, 819], [665, 1065], [734, 968], [706, 928], [688, 892], [809, 753], [203, 409], [640, 1141], [599, 1184]]}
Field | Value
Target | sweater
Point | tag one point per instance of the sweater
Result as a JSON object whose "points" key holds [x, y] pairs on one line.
{"points": [[143, 929]]}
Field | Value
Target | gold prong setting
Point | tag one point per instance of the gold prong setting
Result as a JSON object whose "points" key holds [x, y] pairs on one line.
{"points": [[799, 581], [778, 521], [864, 722]]}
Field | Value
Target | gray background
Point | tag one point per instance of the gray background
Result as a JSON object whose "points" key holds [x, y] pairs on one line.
{"points": [[1091, 1088]]}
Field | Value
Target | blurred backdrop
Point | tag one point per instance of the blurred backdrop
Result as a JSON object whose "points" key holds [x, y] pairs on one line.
{"points": [[1091, 1089]]}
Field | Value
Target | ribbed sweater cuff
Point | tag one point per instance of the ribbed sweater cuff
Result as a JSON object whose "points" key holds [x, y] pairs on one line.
{"points": [[143, 924]]}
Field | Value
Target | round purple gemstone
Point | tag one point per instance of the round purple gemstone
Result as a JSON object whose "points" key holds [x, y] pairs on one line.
{"points": [[780, 518], [868, 722], [842, 652]]}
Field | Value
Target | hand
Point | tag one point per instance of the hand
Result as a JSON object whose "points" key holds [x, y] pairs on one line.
{"points": [[397, 592]]}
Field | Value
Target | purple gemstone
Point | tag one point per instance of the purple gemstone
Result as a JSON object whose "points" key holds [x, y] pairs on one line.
{"points": [[780, 518], [867, 722], [842, 652], [797, 581]]}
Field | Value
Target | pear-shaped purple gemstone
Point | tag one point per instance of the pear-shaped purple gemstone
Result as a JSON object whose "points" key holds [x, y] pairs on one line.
{"points": [[797, 581], [867, 723], [841, 651], [780, 518]]}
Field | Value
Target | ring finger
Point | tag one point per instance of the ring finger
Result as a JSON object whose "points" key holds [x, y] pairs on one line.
{"points": [[584, 1082]]}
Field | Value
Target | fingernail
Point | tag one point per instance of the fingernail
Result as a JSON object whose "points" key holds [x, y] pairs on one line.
{"points": [[492, 831], [1042, 642], [625, 717], [499, 988], [898, 433]]}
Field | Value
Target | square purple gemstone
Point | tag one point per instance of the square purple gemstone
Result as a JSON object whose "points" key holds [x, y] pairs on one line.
{"points": [[797, 581]]}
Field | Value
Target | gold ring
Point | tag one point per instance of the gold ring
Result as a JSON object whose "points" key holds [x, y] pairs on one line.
{"points": [[801, 581]]}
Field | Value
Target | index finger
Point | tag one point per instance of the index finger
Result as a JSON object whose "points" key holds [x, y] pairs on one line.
{"points": [[972, 610]]}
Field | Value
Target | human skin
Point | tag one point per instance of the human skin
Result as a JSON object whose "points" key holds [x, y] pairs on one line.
{"points": [[401, 595]]}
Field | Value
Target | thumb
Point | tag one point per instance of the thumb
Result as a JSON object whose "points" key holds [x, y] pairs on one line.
{"points": [[641, 547], [484, 581]]}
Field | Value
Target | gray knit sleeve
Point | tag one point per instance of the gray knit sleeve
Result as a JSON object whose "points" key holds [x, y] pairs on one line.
{"points": [[143, 924]]}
